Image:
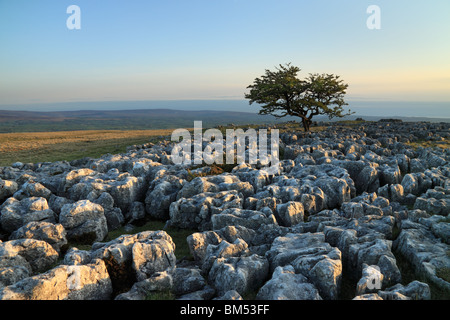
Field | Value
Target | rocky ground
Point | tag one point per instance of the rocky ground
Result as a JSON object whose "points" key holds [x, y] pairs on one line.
{"points": [[353, 213]]}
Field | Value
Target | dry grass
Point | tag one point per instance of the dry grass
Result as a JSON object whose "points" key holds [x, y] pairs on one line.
{"points": [[33, 147], [69, 145], [444, 144]]}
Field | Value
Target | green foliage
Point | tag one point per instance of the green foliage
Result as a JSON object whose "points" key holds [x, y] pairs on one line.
{"points": [[443, 273], [282, 94], [160, 295]]}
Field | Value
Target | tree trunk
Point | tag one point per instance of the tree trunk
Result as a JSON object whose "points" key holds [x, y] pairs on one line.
{"points": [[306, 124]]}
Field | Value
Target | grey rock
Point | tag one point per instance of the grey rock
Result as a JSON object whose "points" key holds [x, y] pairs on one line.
{"points": [[84, 282], [15, 214], [432, 160], [442, 230], [196, 212], [13, 268], [415, 290], [371, 280], [368, 296], [223, 182], [113, 215], [127, 190], [311, 256], [393, 192], [75, 176], [290, 213], [186, 280], [334, 181], [53, 234], [251, 219], [230, 295], [233, 233], [7, 189], [161, 194], [353, 210], [337, 191], [158, 282], [353, 185], [88, 184], [56, 203], [416, 183], [257, 178], [243, 274], [84, 221], [367, 180], [285, 284], [389, 174], [39, 254], [417, 165], [33, 190], [205, 294], [11, 275], [427, 254], [434, 201], [376, 252], [153, 255], [223, 250], [410, 184], [136, 256], [77, 257], [199, 242], [136, 212]]}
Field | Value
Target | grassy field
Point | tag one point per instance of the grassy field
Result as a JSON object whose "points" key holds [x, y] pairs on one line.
{"points": [[445, 144], [36, 147], [33, 147]]}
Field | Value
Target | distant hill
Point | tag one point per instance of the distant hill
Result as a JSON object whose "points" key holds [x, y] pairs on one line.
{"points": [[377, 118], [29, 121], [142, 119]]}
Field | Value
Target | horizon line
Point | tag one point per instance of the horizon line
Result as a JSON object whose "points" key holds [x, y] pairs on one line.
{"points": [[206, 99], [233, 111]]}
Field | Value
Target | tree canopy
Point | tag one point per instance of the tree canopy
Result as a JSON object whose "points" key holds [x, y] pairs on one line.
{"points": [[281, 93]]}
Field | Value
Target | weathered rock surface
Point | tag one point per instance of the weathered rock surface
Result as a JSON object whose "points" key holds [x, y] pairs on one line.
{"points": [[286, 284], [15, 213], [312, 257], [7, 189], [84, 282], [196, 212], [53, 234], [161, 193], [426, 252], [243, 274], [158, 282], [20, 259], [136, 257], [84, 221], [355, 204]]}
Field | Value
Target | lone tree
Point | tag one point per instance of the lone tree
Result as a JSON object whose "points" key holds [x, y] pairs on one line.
{"points": [[282, 94]]}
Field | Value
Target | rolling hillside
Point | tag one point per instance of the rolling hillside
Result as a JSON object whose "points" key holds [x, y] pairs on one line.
{"points": [[28, 121]]}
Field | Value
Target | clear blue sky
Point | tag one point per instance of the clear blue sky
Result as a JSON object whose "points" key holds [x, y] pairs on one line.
{"points": [[213, 49]]}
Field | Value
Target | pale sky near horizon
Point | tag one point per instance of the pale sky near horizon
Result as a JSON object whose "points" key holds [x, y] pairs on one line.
{"points": [[214, 49]]}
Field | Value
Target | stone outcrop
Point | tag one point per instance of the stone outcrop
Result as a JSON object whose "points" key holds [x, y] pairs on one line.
{"points": [[346, 206]]}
